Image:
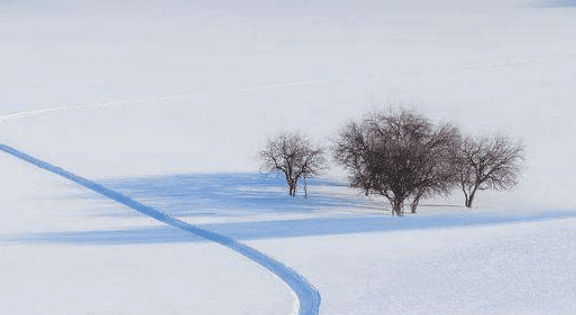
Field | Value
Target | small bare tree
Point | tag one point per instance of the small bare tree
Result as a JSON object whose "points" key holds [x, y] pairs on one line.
{"points": [[488, 162], [294, 155]]}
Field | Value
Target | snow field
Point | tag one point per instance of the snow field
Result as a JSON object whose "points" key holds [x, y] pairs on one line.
{"points": [[59, 278], [517, 268], [514, 72], [445, 260], [137, 279]]}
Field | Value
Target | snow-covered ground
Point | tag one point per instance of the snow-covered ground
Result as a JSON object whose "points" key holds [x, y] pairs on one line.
{"points": [[141, 97], [518, 268], [104, 258], [152, 277]]}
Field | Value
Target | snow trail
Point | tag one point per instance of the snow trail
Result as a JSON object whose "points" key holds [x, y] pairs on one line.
{"points": [[31, 113], [308, 297]]}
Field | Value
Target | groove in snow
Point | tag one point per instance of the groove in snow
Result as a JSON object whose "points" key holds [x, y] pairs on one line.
{"points": [[308, 297]]}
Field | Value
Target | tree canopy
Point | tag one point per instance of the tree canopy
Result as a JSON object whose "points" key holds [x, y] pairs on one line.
{"points": [[397, 154], [295, 156], [489, 161]]}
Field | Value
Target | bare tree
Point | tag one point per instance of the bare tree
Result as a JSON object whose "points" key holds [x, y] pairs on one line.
{"points": [[489, 162], [397, 154], [294, 155]]}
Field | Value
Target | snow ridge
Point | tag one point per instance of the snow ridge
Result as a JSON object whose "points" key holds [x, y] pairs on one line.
{"points": [[308, 296]]}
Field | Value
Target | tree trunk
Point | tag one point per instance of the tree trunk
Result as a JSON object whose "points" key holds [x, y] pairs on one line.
{"points": [[397, 207], [292, 190], [470, 198], [290, 183], [415, 204]]}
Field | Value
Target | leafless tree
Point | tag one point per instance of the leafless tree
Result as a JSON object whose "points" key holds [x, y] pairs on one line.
{"points": [[489, 162], [397, 154], [295, 155]]}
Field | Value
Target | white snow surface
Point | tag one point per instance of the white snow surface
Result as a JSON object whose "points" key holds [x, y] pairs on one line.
{"points": [[65, 250], [520, 268], [145, 278], [114, 92]]}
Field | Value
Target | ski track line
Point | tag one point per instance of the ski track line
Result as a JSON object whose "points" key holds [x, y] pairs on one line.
{"points": [[248, 89], [308, 297]]}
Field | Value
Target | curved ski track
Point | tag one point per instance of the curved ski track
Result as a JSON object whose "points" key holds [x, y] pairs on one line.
{"points": [[308, 296]]}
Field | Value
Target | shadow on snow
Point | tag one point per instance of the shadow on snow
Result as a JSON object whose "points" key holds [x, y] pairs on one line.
{"points": [[285, 228], [246, 194], [231, 194]]}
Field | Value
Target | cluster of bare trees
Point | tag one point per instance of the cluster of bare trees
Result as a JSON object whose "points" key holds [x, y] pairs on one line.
{"points": [[404, 156]]}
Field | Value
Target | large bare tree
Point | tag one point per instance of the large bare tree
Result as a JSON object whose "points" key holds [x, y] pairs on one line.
{"points": [[293, 154], [397, 154], [489, 162]]}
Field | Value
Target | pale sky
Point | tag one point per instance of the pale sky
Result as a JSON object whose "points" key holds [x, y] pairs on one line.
{"points": [[216, 78]]}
